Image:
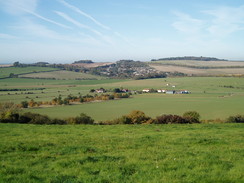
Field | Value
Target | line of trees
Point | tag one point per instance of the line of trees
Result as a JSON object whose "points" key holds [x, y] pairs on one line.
{"points": [[9, 113], [71, 99]]}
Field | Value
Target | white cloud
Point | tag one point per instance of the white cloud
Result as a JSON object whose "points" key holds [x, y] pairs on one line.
{"points": [[226, 20], [78, 24], [186, 24], [84, 14], [48, 20], [40, 31], [19, 7]]}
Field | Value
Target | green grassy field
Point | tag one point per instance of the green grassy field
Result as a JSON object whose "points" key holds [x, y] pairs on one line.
{"points": [[4, 72], [66, 75], [212, 97], [122, 153]]}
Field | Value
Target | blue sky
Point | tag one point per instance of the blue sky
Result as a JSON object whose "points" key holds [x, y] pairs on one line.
{"points": [[109, 30]]}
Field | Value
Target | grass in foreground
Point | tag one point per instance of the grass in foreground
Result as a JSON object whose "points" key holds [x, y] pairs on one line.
{"points": [[123, 153]]}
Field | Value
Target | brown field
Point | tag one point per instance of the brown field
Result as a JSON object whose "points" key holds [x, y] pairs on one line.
{"points": [[187, 70], [6, 65], [185, 67], [201, 63]]}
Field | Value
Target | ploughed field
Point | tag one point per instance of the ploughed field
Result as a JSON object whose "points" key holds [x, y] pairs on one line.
{"points": [[212, 97], [122, 153]]}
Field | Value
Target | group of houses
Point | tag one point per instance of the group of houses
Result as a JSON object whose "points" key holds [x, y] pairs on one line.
{"points": [[166, 91]]}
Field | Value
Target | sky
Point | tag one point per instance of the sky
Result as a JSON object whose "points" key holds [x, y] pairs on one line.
{"points": [[63, 31]]}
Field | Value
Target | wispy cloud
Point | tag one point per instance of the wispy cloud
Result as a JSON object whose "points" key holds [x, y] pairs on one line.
{"points": [[23, 7], [7, 36], [84, 14], [226, 20], [34, 30], [19, 7], [78, 24], [47, 19], [187, 24]]}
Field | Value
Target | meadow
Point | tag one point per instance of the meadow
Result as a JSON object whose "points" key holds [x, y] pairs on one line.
{"points": [[4, 72], [122, 153], [63, 74], [213, 97]]}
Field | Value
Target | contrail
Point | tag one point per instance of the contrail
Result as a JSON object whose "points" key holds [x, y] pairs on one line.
{"points": [[78, 24], [84, 14], [46, 19]]}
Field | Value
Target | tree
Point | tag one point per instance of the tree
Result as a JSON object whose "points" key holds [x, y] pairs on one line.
{"points": [[24, 104], [16, 64], [8, 112]]}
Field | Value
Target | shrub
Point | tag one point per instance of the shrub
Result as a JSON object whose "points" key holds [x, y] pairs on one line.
{"points": [[57, 121], [82, 119], [34, 118], [170, 119], [8, 112], [24, 104], [192, 117], [137, 117], [235, 119]]}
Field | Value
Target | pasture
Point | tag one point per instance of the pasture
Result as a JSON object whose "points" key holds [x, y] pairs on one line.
{"points": [[63, 74], [213, 97], [122, 153], [6, 71]]}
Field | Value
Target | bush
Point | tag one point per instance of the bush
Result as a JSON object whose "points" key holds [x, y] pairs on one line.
{"points": [[82, 119], [34, 118], [170, 119], [24, 104], [235, 119], [57, 121], [192, 117], [138, 117]]}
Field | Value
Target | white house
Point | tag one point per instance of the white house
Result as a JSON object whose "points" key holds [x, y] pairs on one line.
{"points": [[146, 90], [161, 91]]}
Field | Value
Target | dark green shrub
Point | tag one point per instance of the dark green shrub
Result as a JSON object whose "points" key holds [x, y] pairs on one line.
{"points": [[235, 119], [34, 118], [82, 119], [170, 119], [9, 117], [24, 104], [57, 121]]}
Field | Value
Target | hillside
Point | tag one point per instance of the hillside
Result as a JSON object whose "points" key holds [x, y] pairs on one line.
{"points": [[62, 74], [128, 69], [199, 68], [6, 72]]}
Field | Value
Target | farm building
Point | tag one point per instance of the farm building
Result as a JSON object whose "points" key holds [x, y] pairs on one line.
{"points": [[146, 90], [170, 92], [101, 90], [161, 91], [183, 92]]}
